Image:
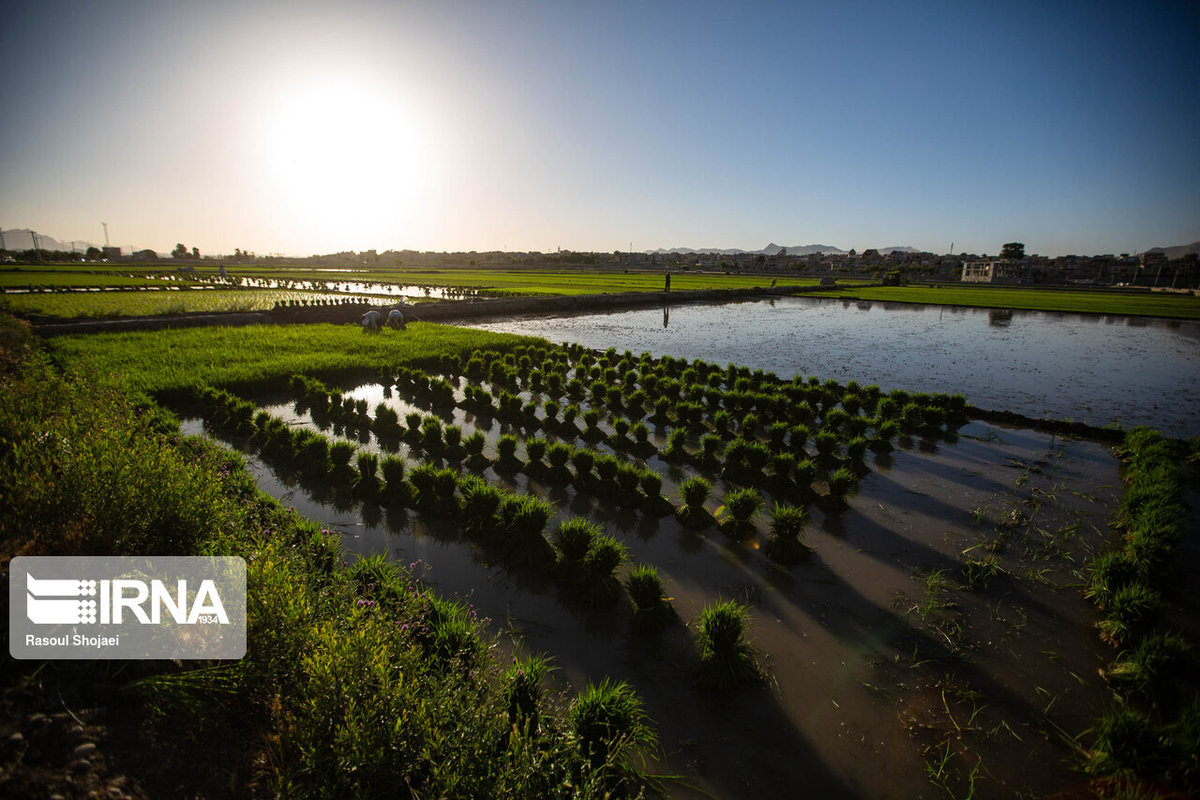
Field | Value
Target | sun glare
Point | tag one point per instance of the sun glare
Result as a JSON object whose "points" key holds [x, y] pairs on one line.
{"points": [[344, 156]]}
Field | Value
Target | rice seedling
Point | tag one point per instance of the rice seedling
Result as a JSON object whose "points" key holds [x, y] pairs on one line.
{"points": [[583, 459], [523, 521], [572, 540], [598, 581], [736, 516], [368, 481], [448, 633], [431, 435], [842, 482], [453, 436], [612, 727], [978, 573], [412, 424], [629, 477], [570, 413], [480, 504], [506, 448], [312, 458], [694, 491], [726, 658], [395, 490], [785, 543], [711, 446], [551, 408], [651, 607], [474, 443], [535, 450]]}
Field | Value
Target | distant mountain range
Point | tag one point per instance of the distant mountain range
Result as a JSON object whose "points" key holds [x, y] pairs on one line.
{"points": [[1178, 251]]}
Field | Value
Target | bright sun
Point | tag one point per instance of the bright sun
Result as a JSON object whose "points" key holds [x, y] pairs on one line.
{"points": [[343, 156]]}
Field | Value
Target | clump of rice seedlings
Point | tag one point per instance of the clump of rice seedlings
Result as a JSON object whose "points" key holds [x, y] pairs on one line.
{"points": [[387, 422], [480, 503], [312, 458], [523, 690], [782, 465], [676, 448], [412, 422], [453, 436], [582, 459], [856, 450], [606, 467], [506, 449], [551, 408], [535, 449], [558, 454], [651, 607], [651, 485], [591, 422], [1148, 669], [629, 477], [1130, 612], [340, 453], [785, 543], [523, 519], [885, 433], [694, 491], [826, 443], [569, 415], [422, 479], [572, 540], [599, 584], [842, 483], [368, 481], [736, 516], [473, 444], [711, 446], [620, 428], [611, 727], [977, 573], [726, 657], [396, 491], [431, 434]]}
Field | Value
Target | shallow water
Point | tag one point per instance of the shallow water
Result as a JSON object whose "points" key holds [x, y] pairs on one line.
{"points": [[854, 695], [1088, 368]]}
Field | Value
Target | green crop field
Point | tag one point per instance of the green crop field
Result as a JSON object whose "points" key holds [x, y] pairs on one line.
{"points": [[1084, 301], [151, 303], [167, 361], [28, 278]]}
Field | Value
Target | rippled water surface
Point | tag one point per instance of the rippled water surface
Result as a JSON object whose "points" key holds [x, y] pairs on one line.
{"points": [[1089, 368]]}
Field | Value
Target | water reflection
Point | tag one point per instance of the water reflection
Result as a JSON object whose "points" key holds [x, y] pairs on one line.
{"points": [[1096, 369]]}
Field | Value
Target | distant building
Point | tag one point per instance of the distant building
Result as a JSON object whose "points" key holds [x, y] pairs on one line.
{"points": [[110, 253], [978, 271]]}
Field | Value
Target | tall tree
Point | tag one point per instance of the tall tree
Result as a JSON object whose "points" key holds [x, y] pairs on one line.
{"points": [[180, 251], [1013, 250]]}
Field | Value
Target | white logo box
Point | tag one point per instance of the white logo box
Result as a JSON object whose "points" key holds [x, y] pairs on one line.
{"points": [[140, 607]]}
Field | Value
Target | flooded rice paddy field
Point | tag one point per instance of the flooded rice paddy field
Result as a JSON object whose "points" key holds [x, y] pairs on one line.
{"points": [[890, 676], [1089, 368]]}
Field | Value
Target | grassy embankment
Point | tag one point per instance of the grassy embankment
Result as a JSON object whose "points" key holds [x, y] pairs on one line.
{"points": [[1084, 301], [358, 681]]}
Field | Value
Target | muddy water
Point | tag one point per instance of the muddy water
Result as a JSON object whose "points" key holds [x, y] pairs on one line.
{"points": [[1089, 368], [865, 684]]}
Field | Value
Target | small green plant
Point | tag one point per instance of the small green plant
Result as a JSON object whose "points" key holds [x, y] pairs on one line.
{"points": [[726, 657], [785, 543], [368, 481], [740, 506], [978, 573], [694, 491], [611, 726], [599, 583], [1130, 612], [651, 606], [572, 540], [506, 447], [523, 690]]}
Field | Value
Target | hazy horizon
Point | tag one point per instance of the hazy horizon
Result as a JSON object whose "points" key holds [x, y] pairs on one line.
{"points": [[302, 128]]}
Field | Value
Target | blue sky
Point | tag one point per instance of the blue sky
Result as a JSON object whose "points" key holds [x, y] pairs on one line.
{"points": [[301, 128]]}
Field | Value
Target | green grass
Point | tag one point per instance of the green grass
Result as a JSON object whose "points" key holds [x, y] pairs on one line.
{"points": [[1090, 302], [170, 361], [153, 303], [356, 681], [59, 277]]}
